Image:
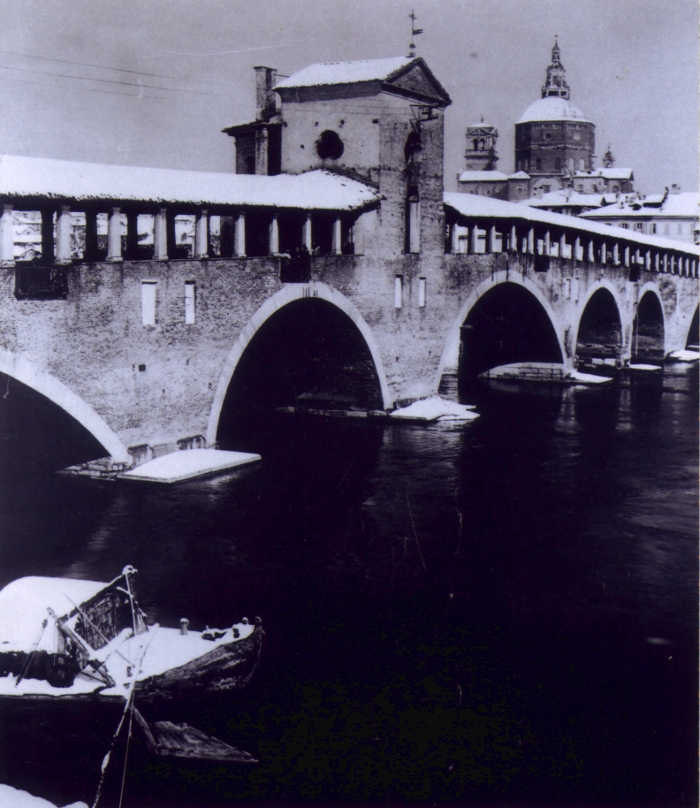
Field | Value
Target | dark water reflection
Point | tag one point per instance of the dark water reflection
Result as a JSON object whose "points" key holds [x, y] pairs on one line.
{"points": [[503, 612]]}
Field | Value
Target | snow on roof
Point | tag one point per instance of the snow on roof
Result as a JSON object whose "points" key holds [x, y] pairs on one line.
{"points": [[482, 176], [682, 204], [552, 108], [519, 175], [563, 199], [63, 179], [486, 207], [675, 205], [24, 604], [606, 173], [317, 75]]}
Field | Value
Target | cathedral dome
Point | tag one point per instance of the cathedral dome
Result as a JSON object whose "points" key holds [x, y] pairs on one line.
{"points": [[552, 108]]}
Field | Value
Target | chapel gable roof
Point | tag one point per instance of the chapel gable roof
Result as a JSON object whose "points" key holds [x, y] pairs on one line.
{"points": [[402, 75]]}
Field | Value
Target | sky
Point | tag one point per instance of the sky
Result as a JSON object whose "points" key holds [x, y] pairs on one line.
{"points": [[153, 82]]}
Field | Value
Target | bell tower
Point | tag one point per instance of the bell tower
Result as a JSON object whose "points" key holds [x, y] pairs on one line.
{"points": [[481, 152], [555, 81]]}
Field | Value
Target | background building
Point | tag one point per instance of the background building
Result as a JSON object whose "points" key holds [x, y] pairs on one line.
{"points": [[672, 214], [554, 155]]}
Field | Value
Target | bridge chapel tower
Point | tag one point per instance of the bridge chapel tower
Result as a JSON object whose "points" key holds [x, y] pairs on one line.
{"points": [[553, 138], [379, 121]]}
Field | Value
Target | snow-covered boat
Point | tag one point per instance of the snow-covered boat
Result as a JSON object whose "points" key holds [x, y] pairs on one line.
{"points": [[87, 639]]}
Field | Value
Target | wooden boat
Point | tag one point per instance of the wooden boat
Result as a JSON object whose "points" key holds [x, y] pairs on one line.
{"points": [[77, 639]]}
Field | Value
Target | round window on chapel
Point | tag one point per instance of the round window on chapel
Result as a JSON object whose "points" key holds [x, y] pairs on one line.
{"points": [[329, 145]]}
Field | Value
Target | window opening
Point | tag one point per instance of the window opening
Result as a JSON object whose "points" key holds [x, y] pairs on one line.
{"points": [[148, 302], [329, 145], [190, 300], [398, 291]]}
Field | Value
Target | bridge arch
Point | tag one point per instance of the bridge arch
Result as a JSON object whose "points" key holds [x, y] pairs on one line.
{"points": [[649, 325], [599, 332], [289, 294], [26, 372], [450, 352]]}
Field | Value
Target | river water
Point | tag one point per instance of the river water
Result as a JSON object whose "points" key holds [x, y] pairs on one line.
{"points": [[502, 612]]}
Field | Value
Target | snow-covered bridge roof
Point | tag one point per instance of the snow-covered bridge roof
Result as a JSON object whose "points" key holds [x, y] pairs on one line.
{"points": [[486, 207], [23, 177]]}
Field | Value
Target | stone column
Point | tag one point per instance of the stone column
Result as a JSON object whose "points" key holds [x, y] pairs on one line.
{"points": [[513, 242], [307, 234], [239, 249], [562, 245], [7, 237], [616, 253], [337, 242], [201, 235], [578, 249], [491, 248], [531, 240], [454, 238], [274, 247], [547, 243], [473, 237], [114, 235], [160, 235], [64, 225], [591, 252], [47, 243]]}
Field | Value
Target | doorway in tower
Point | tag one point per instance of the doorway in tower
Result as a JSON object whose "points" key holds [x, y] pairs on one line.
{"points": [[506, 325], [308, 355], [648, 330], [693, 341], [599, 341]]}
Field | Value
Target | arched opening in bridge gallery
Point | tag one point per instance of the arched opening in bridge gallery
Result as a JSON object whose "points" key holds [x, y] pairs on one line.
{"points": [[599, 340], [648, 330], [308, 355], [506, 325], [37, 434]]}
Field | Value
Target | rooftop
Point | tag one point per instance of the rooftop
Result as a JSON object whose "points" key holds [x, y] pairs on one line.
{"points": [[552, 108], [673, 206], [482, 176], [564, 199], [64, 179], [606, 173], [347, 72]]}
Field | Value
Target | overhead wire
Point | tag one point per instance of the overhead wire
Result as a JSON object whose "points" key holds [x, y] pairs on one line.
{"points": [[106, 81], [90, 64]]}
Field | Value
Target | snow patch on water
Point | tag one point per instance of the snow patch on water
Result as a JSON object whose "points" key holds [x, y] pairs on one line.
{"points": [[434, 408]]}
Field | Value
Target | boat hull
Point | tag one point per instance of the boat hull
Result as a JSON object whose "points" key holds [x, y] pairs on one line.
{"points": [[225, 668]]}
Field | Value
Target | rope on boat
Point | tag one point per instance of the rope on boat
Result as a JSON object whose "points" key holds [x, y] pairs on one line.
{"points": [[25, 667], [127, 706], [126, 752]]}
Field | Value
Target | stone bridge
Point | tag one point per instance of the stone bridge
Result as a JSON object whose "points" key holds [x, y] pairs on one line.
{"points": [[143, 352]]}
